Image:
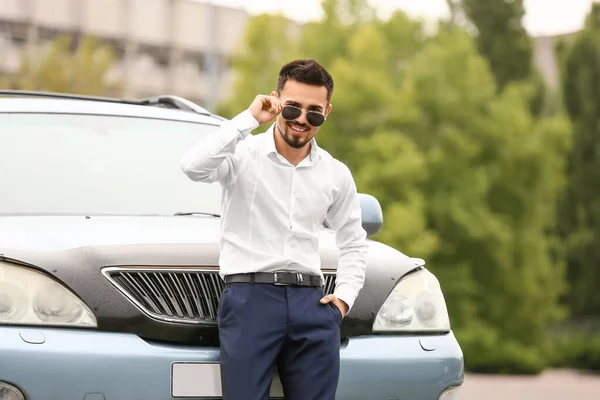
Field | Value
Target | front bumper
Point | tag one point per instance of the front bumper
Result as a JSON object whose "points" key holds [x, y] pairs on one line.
{"points": [[63, 364]]}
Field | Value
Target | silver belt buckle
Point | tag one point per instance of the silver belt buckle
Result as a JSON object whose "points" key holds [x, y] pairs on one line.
{"points": [[276, 277]]}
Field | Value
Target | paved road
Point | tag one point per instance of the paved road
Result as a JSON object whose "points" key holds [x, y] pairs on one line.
{"points": [[551, 385]]}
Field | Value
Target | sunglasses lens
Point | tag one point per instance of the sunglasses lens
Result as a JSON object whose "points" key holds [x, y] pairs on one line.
{"points": [[290, 113], [315, 119]]}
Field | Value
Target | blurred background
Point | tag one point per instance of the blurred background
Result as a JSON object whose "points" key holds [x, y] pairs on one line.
{"points": [[475, 122]]}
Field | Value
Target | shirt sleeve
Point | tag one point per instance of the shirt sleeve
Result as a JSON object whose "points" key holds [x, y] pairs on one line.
{"points": [[212, 159], [344, 217]]}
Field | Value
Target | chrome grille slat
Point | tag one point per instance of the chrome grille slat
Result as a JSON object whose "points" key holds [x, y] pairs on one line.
{"points": [[172, 297], [142, 292], [195, 295], [154, 285], [183, 295], [162, 290], [201, 279], [201, 297], [155, 291]]}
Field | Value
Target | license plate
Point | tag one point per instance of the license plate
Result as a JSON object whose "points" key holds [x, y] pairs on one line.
{"points": [[203, 380]]}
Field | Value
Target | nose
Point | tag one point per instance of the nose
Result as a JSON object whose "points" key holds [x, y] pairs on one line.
{"points": [[302, 118]]}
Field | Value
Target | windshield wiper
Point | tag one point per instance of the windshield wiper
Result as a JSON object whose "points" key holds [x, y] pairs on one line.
{"points": [[197, 213]]}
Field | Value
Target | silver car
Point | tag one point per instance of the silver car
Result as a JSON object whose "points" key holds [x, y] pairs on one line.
{"points": [[109, 280]]}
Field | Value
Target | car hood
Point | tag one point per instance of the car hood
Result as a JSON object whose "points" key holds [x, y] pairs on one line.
{"points": [[74, 249], [19, 234], [53, 233]]}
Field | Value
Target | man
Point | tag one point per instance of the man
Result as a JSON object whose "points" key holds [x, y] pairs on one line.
{"points": [[278, 189]]}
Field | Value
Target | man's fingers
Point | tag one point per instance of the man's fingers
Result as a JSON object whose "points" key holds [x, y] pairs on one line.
{"points": [[264, 108], [275, 107], [328, 298], [266, 102]]}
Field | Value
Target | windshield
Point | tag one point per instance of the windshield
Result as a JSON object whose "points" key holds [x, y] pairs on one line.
{"points": [[87, 164]]}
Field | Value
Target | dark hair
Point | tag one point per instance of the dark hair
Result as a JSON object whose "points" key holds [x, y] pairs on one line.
{"points": [[306, 71]]}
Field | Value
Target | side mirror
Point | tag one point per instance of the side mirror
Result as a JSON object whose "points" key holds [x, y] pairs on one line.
{"points": [[372, 215]]}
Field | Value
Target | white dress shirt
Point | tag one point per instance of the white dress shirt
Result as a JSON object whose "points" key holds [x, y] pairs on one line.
{"points": [[273, 212]]}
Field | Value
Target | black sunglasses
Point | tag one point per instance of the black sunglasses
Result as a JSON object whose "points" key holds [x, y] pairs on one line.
{"points": [[314, 118]]}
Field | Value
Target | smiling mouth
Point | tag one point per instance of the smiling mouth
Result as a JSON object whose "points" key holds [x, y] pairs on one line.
{"points": [[297, 128]]}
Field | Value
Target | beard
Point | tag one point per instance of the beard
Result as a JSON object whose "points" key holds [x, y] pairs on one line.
{"points": [[292, 139]]}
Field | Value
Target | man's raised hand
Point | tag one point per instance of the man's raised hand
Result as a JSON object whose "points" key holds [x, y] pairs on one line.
{"points": [[265, 108]]}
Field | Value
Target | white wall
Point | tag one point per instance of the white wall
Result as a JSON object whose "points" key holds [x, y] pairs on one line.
{"points": [[103, 17], [60, 14], [12, 9], [150, 21]]}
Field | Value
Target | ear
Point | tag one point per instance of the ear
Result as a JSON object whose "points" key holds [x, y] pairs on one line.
{"points": [[329, 107]]}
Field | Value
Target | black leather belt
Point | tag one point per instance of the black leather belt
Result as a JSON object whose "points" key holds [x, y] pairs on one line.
{"points": [[276, 278]]}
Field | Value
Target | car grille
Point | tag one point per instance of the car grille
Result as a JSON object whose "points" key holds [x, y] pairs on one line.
{"points": [[177, 295]]}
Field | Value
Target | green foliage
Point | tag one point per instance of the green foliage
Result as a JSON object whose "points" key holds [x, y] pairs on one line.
{"points": [[492, 170], [505, 44], [578, 351], [501, 38], [496, 174], [575, 344], [467, 176], [488, 352], [394, 174], [579, 212], [60, 69]]}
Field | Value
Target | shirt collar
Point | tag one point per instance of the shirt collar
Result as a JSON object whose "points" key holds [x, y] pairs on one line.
{"points": [[269, 145]]}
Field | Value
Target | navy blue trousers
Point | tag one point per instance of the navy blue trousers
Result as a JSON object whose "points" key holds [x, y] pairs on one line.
{"points": [[263, 327]]}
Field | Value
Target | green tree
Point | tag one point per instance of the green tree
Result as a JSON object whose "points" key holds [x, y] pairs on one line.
{"points": [[393, 171], [83, 70], [328, 39], [580, 206], [504, 42], [501, 38], [495, 173]]}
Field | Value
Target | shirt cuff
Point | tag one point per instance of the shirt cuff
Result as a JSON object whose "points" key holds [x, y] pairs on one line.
{"points": [[346, 294], [244, 122]]}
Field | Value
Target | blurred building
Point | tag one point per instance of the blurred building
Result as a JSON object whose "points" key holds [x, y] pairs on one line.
{"points": [[544, 56], [180, 47]]}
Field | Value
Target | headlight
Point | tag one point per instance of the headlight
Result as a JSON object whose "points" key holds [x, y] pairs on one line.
{"points": [[29, 297], [416, 304]]}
